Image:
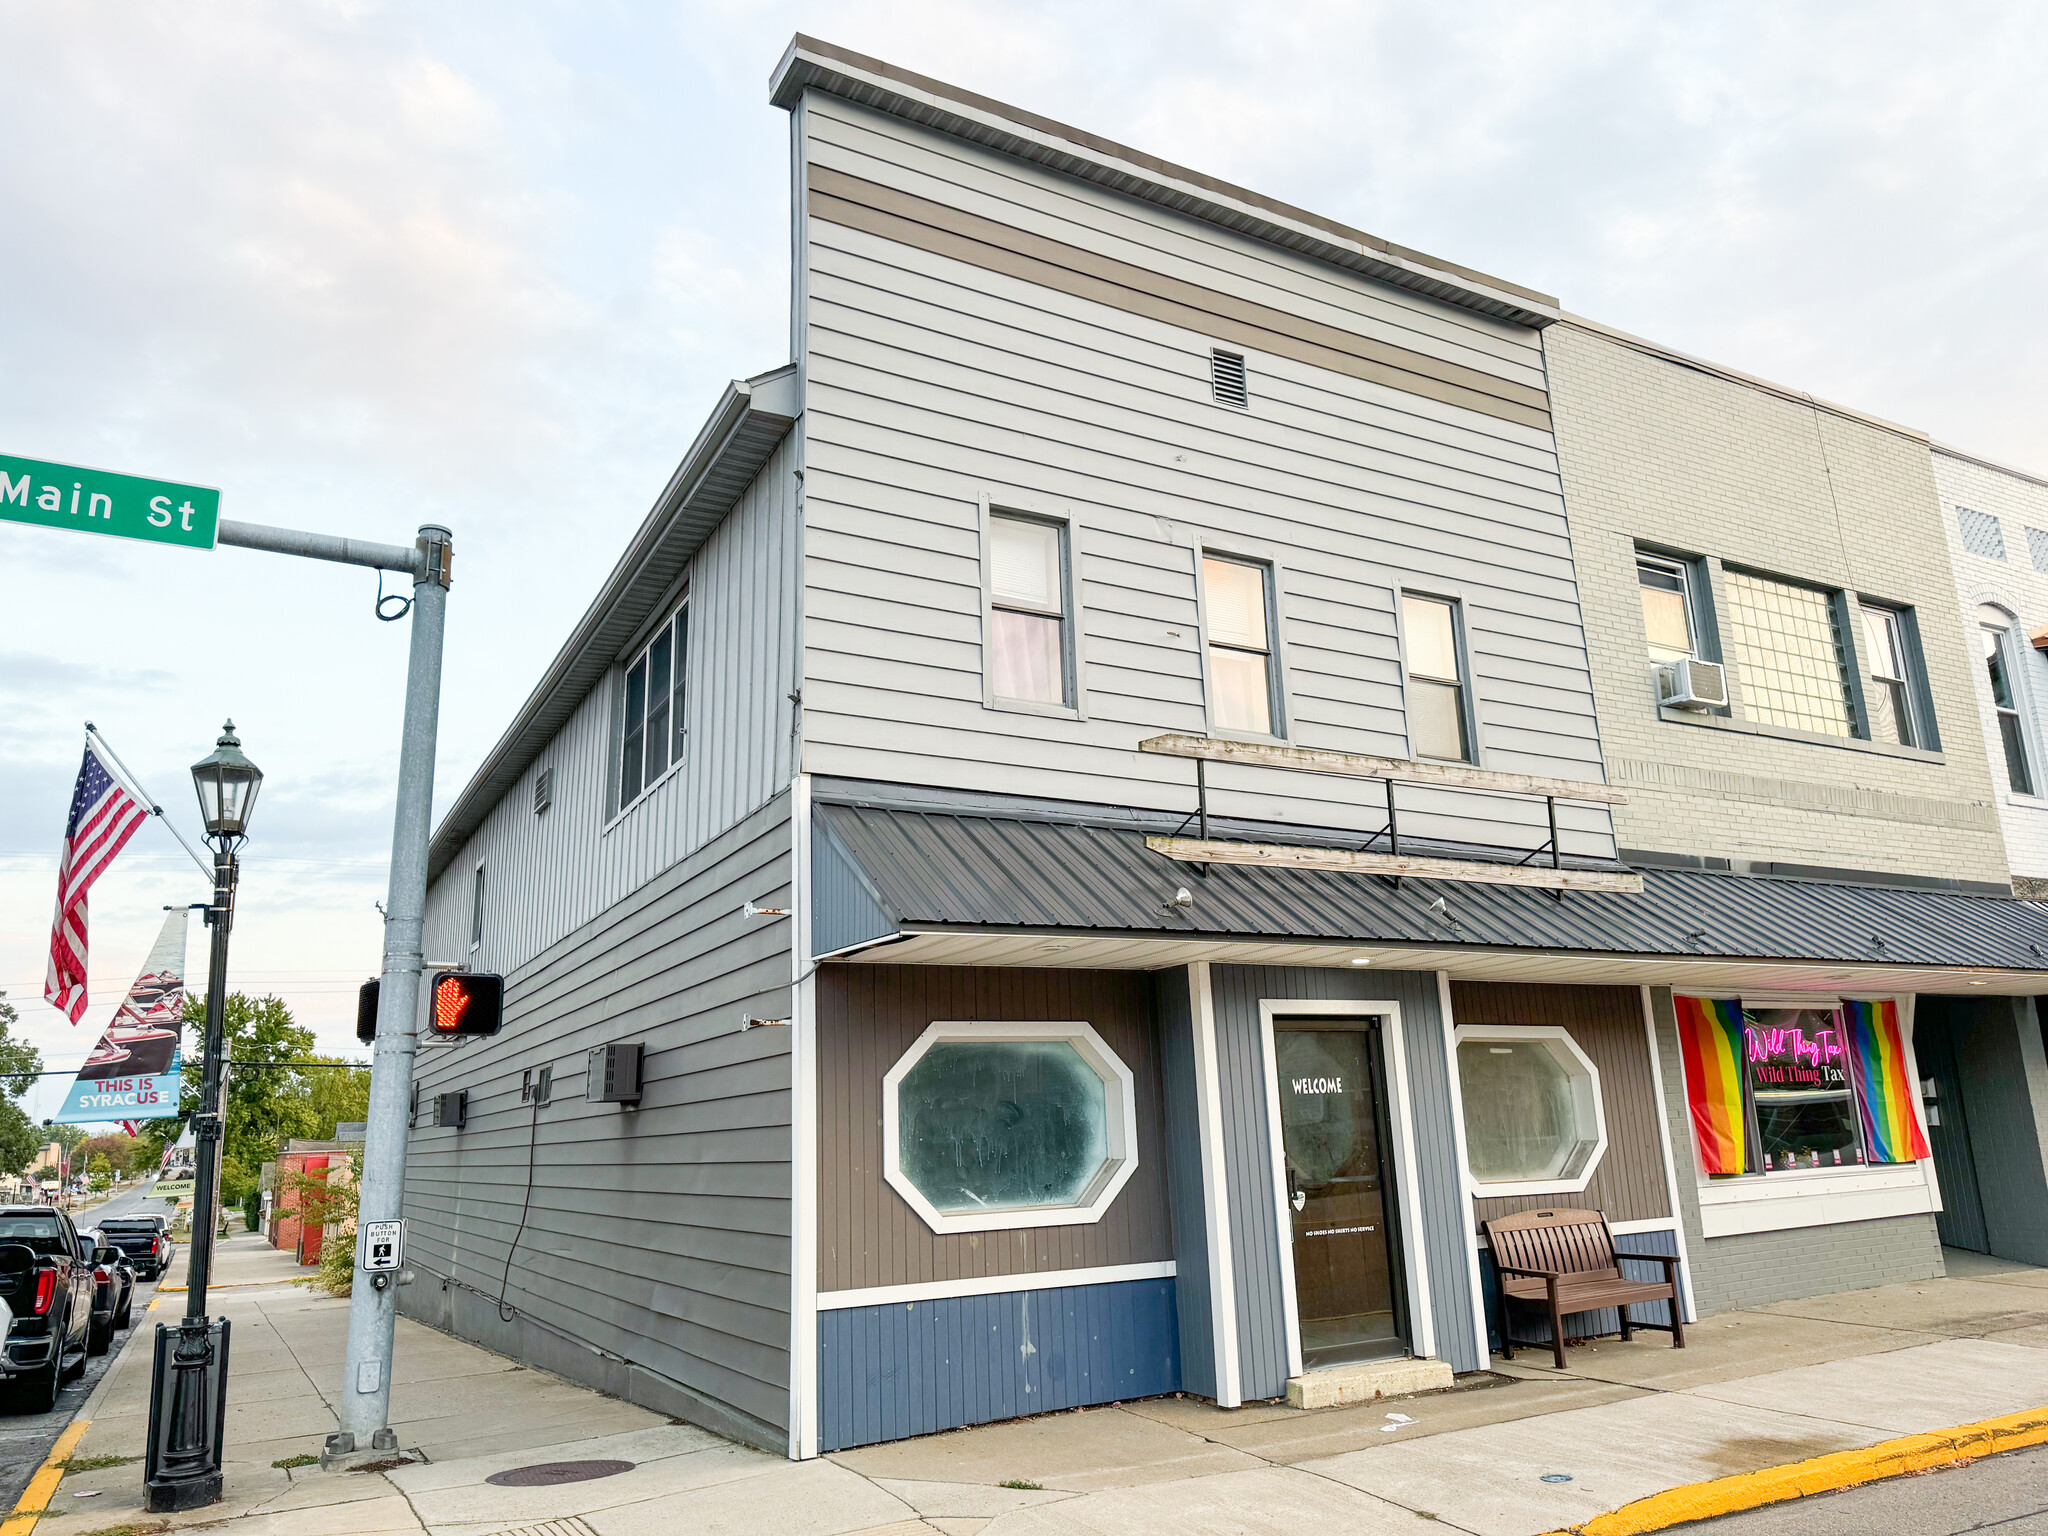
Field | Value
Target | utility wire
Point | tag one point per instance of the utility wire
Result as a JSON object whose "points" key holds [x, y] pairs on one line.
{"points": [[148, 799]]}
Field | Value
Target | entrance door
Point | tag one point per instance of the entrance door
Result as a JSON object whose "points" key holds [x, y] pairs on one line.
{"points": [[1333, 1131]]}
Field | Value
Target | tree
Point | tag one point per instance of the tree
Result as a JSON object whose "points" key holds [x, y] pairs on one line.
{"points": [[20, 1137], [69, 1137], [118, 1150]]}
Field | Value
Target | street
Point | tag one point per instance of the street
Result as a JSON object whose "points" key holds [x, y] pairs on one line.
{"points": [[26, 1438], [2007, 1494]]}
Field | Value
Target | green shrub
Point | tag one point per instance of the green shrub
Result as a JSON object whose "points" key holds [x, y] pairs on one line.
{"points": [[252, 1210]]}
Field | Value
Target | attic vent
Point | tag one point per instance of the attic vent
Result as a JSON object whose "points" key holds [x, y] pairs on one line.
{"points": [[543, 790], [1226, 379]]}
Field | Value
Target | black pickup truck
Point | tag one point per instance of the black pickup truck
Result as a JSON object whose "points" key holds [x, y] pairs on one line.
{"points": [[145, 1240], [48, 1289]]}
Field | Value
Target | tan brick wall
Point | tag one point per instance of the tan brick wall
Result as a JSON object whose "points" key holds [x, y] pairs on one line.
{"points": [[1655, 450]]}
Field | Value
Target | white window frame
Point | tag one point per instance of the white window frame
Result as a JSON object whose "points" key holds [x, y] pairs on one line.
{"points": [[1816, 1197], [2010, 654], [1585, 1092], [1680, 571], [1076, 707], [677, 611], [1120, 1099], [1468, 696], [1280, 700]]}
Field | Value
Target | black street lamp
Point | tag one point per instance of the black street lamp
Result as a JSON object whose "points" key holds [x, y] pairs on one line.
{"points": [[188, 1401]]}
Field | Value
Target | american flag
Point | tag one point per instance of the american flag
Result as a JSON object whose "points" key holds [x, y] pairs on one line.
{"points": [[104, 815]]}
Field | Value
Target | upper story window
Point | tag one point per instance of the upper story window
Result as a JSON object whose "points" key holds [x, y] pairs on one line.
{"points": [[1995, 631], [1666, 587], [1790, 653], [651, 740], [1238, 604], [1887, 670], [476, 912], [1030, 628], [1437, 706]]}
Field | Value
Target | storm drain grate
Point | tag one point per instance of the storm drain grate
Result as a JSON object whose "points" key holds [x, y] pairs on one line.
{"points": [[547, 1474]]}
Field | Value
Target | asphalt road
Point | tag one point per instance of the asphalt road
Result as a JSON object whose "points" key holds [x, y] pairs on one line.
{"points": [[2005, 1494], [26, 1438]]}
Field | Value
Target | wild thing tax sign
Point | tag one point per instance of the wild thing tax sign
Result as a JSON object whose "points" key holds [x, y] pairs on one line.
{"points": [[99, 501]]}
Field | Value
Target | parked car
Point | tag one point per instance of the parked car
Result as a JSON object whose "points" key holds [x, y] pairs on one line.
{"points": [[48, 1288], [146, 1240], [113, 1291]]}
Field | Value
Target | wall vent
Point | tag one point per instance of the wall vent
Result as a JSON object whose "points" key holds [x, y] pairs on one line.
{"points": [[2037, 548], [543, 790], [1226, 379], [1981, 534], [452, 1109]]}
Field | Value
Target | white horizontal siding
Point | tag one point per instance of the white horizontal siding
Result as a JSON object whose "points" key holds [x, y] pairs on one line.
{"points": [[931, 383], [549, 874]]}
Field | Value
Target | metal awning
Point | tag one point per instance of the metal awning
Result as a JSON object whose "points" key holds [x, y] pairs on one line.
{"points": [[909, 885]]}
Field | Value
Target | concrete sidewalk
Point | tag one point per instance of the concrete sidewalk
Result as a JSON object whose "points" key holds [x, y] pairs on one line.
{"points": [[1753, 1390]]}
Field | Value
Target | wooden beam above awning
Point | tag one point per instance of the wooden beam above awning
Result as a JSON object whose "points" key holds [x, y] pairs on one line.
{"points": [[1357, 765], [1194, 850]]}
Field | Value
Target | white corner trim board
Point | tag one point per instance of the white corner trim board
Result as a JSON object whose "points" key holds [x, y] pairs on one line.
{"points": [[993, 1285]]}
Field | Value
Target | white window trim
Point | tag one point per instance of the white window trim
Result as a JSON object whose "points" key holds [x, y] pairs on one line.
{"points": [[1683, 571], [1282, 693], [1468, 690], [1582, 1088], [1122, 1131], [990, 507], [617, 735], [1817, 1197], [1421, 1316]]}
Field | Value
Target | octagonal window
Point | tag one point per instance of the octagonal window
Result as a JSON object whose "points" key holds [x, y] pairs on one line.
{"points": [[1533, 1117], [1008, 1125]]}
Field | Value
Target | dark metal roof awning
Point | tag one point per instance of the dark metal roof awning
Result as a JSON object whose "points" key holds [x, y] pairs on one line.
{"points": [[883, 872]]}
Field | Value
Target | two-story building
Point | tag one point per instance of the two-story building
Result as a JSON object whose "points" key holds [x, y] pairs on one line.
{"points": [[1088, 799]]}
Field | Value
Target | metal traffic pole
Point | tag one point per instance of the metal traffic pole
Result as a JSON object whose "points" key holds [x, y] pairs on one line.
{"points": [[373, 1307]]}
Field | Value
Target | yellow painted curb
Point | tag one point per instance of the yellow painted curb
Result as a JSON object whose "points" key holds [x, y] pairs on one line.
{"points": [[36, 1497], [1823, 1474]]}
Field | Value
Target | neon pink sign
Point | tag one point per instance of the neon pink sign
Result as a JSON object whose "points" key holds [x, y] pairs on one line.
{"points": [[1791, 1058]]}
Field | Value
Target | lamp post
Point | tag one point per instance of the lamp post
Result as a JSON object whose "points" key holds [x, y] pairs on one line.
{"points": [[189, 1386]]}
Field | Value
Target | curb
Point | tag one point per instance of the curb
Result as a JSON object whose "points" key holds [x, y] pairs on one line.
{"points": [[1823, 1474], [35, 1498]]}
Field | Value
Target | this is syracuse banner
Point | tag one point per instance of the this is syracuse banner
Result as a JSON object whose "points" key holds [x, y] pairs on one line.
{"points": [[134, 1072]]}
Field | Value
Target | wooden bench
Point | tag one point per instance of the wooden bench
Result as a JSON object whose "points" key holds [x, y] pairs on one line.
{"points": [[1564, 1261]]}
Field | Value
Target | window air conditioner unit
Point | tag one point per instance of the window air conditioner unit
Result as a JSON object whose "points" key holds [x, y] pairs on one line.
{"points": [[613, 1076], [1692, 684]]}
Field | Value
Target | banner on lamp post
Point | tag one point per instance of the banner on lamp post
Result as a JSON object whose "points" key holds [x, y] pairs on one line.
{"points": [[135, 1072]]}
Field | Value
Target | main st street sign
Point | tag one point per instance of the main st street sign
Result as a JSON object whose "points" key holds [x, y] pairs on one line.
{"points": [[99, 501]]}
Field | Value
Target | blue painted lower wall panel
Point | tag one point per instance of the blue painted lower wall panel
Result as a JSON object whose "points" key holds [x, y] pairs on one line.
{"points": [[1532, 1325], [909, 1368]]}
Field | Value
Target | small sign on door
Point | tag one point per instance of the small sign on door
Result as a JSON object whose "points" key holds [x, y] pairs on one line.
{"points": [[381, 1246]]}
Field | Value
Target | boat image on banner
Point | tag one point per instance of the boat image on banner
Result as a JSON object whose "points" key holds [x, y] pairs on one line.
{"points": [[134, 1071]]}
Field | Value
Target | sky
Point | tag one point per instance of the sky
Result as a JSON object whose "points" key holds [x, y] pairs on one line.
{"points": [[366, 265]]}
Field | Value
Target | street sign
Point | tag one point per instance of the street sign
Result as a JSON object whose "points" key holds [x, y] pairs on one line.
{"points": [[382, 1245], [99, 501]]}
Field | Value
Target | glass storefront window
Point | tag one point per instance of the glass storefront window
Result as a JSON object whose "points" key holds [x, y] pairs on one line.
{"points": [[1799, 1083], [1531, 1099], [1008, 1125]]}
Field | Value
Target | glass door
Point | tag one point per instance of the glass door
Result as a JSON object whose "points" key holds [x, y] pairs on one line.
{"points": [[1340, 1191]]}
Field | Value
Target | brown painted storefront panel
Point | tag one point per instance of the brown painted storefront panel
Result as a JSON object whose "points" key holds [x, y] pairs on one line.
{"points": [[1607, 1023], [867, 1017]]}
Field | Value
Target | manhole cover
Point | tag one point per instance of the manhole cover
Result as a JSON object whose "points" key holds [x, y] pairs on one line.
{"points": [[549, 1473]]}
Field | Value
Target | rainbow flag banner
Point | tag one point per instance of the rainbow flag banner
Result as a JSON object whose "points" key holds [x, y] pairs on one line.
{"points": [[1884, 1091], [1710, 1040]]}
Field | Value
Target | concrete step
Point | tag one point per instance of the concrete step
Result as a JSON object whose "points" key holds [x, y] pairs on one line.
{"points": [[1341, 1384]]}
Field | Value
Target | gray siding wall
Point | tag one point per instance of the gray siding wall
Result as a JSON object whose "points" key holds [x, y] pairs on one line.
{"points": [[1607, 1024], [934, 380], [1255, 1234], [868, 1016], [1755, 1268], [1185, 1174], [2001, 1078], [654, 1260], [547, 875]]}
